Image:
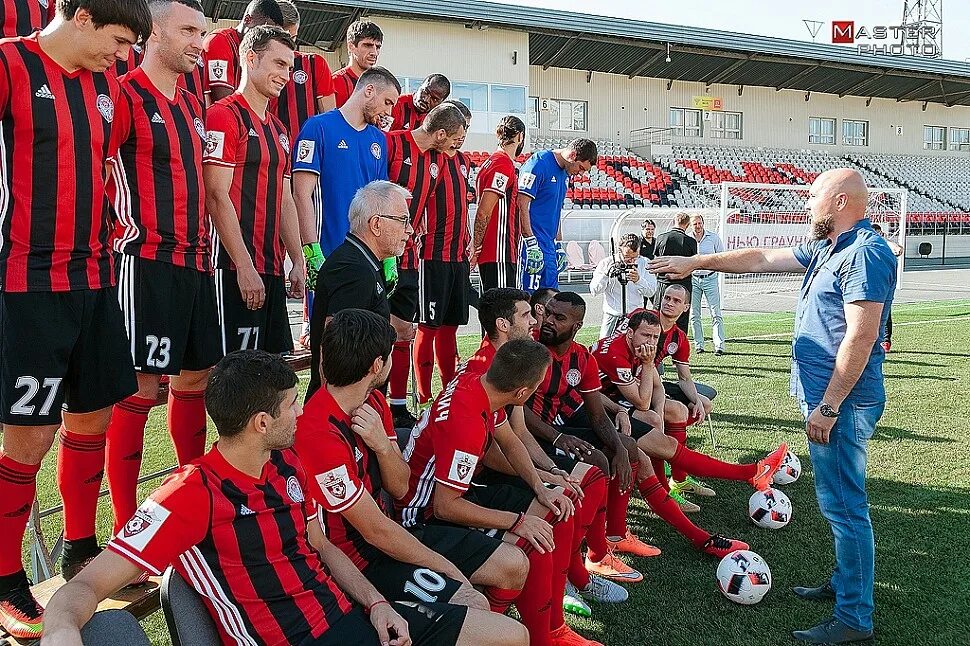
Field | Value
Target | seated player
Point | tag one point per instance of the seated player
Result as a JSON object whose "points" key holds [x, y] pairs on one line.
{"points": [[566, 414], [629, 379], [234, 524], [444, 454], [505, 315], [539, 299], [348, 446]]}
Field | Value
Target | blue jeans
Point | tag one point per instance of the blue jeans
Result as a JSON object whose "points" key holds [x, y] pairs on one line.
{"points": [[840, 485], [709, 288]]}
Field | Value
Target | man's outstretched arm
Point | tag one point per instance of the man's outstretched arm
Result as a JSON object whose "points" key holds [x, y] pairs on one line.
{"points": [[738, 261]]}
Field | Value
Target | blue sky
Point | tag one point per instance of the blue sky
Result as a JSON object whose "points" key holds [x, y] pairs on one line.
{"points": [[780, 19]]}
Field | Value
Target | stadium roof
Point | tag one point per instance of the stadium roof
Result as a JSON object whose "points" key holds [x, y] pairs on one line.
{"points": [[636, 48]]}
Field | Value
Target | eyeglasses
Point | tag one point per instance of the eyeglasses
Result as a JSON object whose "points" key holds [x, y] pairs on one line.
{"points": [[405, 220]]}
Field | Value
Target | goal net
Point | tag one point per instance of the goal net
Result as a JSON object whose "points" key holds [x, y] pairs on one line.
{"points": [[766, 216]]}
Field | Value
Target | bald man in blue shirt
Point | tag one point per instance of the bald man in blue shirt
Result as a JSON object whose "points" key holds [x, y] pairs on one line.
{"points": [[850, 277]]}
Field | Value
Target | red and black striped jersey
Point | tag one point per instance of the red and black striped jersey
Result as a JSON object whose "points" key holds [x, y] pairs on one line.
{"points": [[222, 58], [501, 241], [569, 376], [446, 232], [55, 219], [309, 81], [617, 363], [341, 468], [134, 59], [416, 171], [446, 446], [24, 17], [258, 152], [405, 114], [156, 181], [241, 543], [344, 82], [672, 343], [194, 81]]}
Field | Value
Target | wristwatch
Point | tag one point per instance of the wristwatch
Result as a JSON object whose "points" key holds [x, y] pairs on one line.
{"points": [[827, 411]]}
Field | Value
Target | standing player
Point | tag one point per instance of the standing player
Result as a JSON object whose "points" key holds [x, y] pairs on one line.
{"points": [[411, 109], [62, 336], [543, 180], [445, 453], [247, 163], [677, 242], [414, 158], [222, 48], [364, 42], [443, 269], [495, 245], [24, 17], [162, 237]]}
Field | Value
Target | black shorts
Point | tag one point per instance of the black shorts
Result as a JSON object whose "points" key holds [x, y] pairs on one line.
{"points": [[443, 293], [673, 390], [503, 497], [467, 548], [171, 316], [499, 274], [580, 426], [491, 477], [398, 581], [404, 299], [429, 624], [61, 351], [267, 328]]}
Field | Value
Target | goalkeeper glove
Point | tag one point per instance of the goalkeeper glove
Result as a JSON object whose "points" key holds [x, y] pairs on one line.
{"points": [[533, 256], [390, 273], [561, 259], [314, 260]]}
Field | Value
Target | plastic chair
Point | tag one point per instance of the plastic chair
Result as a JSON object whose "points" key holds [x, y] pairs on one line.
{"points": [[595, 252], [574, 255], [111, 627], [189, 622]]}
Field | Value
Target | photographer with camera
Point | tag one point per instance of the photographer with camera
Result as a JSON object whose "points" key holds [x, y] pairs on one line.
{"points": [[624, 280]]}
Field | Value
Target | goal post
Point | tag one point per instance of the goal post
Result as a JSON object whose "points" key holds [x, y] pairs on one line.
{"points": [[763, 216]]}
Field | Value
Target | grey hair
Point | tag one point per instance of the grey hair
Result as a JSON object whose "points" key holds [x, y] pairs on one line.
{"points": [[371, 199]]}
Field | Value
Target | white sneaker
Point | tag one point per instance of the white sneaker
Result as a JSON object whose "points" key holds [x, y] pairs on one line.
{"points": [[573, 603], [603, 590]]}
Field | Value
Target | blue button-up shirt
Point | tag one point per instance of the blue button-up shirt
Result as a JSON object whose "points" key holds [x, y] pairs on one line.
{"points": [[860, 266]]}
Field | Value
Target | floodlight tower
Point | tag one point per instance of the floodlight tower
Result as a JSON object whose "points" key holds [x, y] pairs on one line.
{"points": [[922, 33]]}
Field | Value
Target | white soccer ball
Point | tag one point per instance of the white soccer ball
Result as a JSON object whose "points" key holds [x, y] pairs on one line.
{"points": [[790, 469], [743, 577], [770, 509]]}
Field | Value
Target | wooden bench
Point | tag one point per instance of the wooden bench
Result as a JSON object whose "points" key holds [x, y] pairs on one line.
{"points": [[140, 601]]}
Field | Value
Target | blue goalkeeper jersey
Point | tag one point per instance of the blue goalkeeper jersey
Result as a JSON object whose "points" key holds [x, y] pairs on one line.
{"points": [[542, 179]]}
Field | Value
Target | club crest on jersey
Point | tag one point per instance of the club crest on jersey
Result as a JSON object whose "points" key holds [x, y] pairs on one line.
{"points": [[375, 150], [464, 170], [300, 77], [433, 169], [293, 489], [337, 486], [672, 347], [526, 180], [462, 467], [214, 142], [500, 181], [199, 127], [285, 142], [625, 375], [106, 107], [573, 377], [143, 526], [304, 152]]}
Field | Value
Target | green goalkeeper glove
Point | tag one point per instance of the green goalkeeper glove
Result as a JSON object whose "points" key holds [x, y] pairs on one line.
{"points": [[314, 260]]}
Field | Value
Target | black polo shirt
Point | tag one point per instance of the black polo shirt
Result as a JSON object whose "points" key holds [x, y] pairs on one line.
{"points": [[648, 248], [352, 277], [676, 242]]}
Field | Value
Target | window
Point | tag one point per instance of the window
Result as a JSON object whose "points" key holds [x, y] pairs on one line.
{"points": [[821, 130], [959, 138], [567, 115], [533, 120], [474, 95], [508, 99], [726, 125], [855, 133], [404, 84], [934, 138], [686, 122]]}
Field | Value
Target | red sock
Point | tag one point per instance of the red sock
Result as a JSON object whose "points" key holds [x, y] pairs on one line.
{"points": [[400, 371], [596, 545], [562, 535], [594, 490], [535, 602], [80, 469], [499, 599], [19, 484], [186, 423], [446, 352], [704, 466], [424, 341], [660, 471], [678, 431], [124, 442], [665, 507], [616, 506]]}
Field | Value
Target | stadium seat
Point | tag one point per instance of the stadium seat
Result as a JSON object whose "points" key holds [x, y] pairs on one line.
{"points": [[188, 620], [574, 254], [595, 252], [113, 627]]}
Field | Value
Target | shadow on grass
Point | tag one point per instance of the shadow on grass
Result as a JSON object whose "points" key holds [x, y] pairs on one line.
{"points": [[785, 342]]}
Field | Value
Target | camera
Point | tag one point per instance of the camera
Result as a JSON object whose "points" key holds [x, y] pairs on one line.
{"points": [[621, 272]]}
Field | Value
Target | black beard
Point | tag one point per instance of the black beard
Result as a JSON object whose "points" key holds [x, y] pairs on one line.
{"points": [[547, 337], [520, 148], [822, 228]]}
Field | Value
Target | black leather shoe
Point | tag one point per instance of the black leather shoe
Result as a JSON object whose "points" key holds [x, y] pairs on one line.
{"points": [[831, 631], [824, 592]]}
